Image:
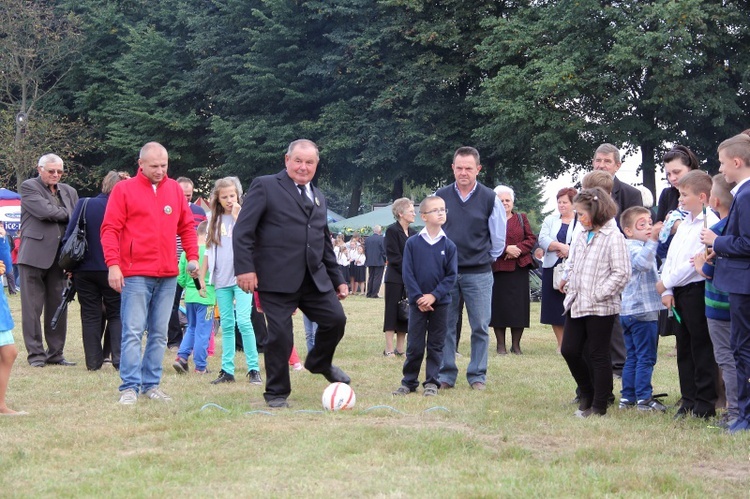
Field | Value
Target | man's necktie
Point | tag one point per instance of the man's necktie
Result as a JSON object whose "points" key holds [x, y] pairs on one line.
{"points": [[306, 201]]}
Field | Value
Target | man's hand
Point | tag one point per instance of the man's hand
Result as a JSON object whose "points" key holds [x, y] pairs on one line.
{"points": [[115, 279], [342, 291], [708, 237], [193, 264], [248, 282], [563, 283], [660, 287]]}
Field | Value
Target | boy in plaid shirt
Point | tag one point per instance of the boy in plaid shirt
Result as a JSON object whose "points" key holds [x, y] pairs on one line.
{"points": [[640, 310]]}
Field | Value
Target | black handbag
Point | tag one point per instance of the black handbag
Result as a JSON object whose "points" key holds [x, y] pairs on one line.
{"points": [[403, 309], [75, 247]]}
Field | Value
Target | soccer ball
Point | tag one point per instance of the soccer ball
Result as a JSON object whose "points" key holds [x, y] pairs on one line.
{"points": [[338, 397]]}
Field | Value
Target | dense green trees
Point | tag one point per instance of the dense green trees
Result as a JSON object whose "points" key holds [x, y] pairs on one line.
{"points": [[389, 88]]}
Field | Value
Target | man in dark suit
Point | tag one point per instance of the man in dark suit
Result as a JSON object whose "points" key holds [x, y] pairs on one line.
{"points": [[375, 261], [283, 250], [46, 205], [607, 158], [732, 274]]}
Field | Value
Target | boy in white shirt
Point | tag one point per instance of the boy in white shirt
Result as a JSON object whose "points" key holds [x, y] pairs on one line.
{"points": [[682, 290]]}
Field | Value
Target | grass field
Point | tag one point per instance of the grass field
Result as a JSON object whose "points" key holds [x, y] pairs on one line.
{"points": [[517, 438]]}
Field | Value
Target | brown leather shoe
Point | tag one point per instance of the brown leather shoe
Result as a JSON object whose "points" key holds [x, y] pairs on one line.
{"points": [[478, 385], [445, 386]]}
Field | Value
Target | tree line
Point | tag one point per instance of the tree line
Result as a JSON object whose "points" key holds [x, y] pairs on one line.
{"points": [[387, 88]]}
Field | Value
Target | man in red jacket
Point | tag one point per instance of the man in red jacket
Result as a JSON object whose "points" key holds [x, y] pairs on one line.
{"points": [[143, 216]]}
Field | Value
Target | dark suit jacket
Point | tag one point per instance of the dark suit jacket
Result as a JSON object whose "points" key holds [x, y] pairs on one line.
{"points": [[276, 238], [43, 221], [732, 274], [93, 259], [626, 196], [375, 251], [395, 240]]}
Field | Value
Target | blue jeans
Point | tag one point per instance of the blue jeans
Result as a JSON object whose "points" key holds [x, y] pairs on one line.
{"points": [[200, 321], [145, 306], [640, 343], [233, 301], [310, 329], [476, 290]]}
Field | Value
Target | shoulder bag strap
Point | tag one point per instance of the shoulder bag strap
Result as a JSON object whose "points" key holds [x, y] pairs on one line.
{"points": [[82, 215]]}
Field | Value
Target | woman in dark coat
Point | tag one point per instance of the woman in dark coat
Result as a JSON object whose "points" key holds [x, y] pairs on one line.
{"points": [[511, 302], [395, 240], [90, 279]]}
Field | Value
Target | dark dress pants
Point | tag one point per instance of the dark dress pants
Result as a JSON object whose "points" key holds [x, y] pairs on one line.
{"points": [[426, 329], [174, 332], [323, 308], [93, 293], [374, 280], [739, 340], [696, 366], [41, 292]]}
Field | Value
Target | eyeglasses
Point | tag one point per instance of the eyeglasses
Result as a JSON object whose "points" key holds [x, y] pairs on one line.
{"points": [[436, 210], [53, 172]]}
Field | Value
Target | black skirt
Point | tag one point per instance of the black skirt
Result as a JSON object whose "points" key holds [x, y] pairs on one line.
{"points": [[360, 273], [510, 298], [393, 293], [552, 301], [344, 272]]}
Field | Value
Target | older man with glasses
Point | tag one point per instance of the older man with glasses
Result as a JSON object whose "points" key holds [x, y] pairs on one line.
{"points": [[46, 206]]}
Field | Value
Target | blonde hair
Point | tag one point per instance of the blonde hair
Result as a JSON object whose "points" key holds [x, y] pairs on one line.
{"points": [[214, 228], [722, 190], [697, 181], [737, 147], [598, 178]]}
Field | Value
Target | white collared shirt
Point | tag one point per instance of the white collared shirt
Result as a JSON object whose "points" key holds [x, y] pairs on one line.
{"points": [[677, 270], [737, 187], [429, 239]]}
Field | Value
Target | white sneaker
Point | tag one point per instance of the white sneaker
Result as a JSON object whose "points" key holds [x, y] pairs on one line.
{"points": [[128, 397], [156, 394]]}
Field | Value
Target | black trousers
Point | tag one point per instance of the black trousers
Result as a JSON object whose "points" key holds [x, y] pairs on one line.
{"points": [[696, 365], [41, 292], [323, 308], [93, 294], [618, 352], [426, 329], [174, 331], [590, 335], [374, 280]]}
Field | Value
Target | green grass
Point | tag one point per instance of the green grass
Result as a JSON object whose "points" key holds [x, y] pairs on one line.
{"points": [[517, 438]]}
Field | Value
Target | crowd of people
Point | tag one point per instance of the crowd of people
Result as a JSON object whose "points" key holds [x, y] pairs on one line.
{"points": [[615, 275]]}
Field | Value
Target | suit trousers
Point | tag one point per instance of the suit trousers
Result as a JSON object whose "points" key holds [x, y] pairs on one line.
{"points": [[426, 330], [739, 309], [41, 292], [321, 307], [696, 366], [93, 293], [374, 281], [174, 333]]}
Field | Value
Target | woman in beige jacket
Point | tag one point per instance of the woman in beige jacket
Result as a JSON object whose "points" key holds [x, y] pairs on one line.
{"points": [[598, 273]]}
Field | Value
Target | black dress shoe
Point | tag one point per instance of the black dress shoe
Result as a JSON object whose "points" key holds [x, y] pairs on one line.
{"points": [[335, 375], [278, 403], [62, 362]]}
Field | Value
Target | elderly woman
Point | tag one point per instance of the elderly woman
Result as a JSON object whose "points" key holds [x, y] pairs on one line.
{"points": [[554, 239], [90, 279], [511, 301], [395, 240]]}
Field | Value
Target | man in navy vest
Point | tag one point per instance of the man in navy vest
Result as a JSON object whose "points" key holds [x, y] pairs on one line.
{"points": [[476, 224]]}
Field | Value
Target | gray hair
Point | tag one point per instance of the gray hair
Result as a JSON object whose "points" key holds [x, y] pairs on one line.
{"points": [[504, 189], [148, 146], [399, 206], [49, 159], [377, 229], [648, 198], [300, 142], [609, 149]]}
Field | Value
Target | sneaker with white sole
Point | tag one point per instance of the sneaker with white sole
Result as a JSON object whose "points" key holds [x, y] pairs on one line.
{"points": [[128, 397], [626, 404], [430, 390], [651, 405], [180, 365], [155, 393]]}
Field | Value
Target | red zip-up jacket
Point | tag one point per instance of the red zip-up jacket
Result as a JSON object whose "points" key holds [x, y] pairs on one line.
{"points": [[140, 224]]}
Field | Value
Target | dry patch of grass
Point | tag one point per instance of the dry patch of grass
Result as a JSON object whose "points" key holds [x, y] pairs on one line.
{"points": [[518, 437]]}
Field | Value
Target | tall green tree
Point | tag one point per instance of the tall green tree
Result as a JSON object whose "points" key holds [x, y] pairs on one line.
{"points": [[565, 76]]}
